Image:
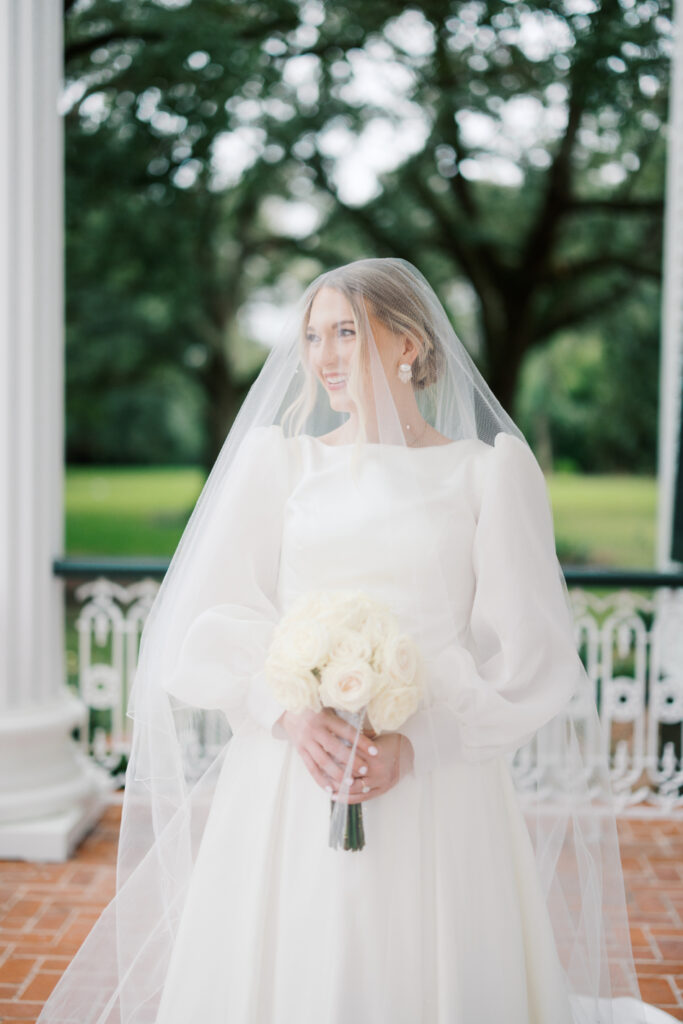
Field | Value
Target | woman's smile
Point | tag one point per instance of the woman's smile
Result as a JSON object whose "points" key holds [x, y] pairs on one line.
{"points": [[335, 381]]}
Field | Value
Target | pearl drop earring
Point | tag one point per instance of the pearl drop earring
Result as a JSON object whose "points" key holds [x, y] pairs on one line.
{"points": [[405, 372]]}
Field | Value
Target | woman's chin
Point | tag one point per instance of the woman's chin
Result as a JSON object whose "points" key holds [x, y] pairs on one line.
{"points": [[342, 403]]}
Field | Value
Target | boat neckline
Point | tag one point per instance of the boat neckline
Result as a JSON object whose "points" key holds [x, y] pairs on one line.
{"points": [[384, 444]]}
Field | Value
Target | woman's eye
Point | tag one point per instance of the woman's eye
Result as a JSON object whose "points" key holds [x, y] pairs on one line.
{"points": [[343, 332]]}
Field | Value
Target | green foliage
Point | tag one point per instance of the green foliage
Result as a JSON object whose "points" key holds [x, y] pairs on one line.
{"points": [[589, 400], [207, 149]]}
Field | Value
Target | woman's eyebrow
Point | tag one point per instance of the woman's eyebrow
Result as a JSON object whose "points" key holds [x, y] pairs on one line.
{"points": [[338, 324]]}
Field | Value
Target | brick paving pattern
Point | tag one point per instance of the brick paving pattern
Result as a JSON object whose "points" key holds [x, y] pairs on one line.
{"points": [[46, 911]]}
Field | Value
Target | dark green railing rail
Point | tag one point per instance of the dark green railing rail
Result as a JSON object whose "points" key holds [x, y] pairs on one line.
{"points": [[575, 575], [110, 567]]}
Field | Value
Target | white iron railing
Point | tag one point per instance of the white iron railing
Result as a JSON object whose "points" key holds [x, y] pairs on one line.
{"points": [[631, 645]]}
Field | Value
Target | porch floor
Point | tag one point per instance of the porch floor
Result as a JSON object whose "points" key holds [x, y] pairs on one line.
{"points": [[46, 911]]}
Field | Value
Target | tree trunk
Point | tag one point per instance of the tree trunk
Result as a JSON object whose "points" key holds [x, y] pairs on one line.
{"points": [[224, 398]]}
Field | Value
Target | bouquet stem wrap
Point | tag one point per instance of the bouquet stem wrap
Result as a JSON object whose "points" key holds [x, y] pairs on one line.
{"points": [[345, 650], [347, 832]]}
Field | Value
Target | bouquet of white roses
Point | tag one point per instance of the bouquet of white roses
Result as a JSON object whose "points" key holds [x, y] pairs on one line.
{"points": [[345, 650]]}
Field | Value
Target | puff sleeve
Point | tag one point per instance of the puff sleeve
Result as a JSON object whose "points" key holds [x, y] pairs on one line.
{"points": [[231, 588], [522, 665]]}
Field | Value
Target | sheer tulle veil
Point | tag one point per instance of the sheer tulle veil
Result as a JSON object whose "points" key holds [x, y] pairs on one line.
{"points": [[185, 713]]}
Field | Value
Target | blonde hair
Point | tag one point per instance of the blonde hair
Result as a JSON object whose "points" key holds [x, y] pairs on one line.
{"points": [[385, 289]]}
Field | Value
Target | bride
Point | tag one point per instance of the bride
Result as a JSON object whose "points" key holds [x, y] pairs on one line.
{"points": [[422, 832]]}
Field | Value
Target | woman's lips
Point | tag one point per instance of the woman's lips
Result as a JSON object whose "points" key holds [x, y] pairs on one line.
{"points": [[335, 387]]}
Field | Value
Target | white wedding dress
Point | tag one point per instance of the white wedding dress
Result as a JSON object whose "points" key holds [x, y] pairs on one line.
{"points": [[279, 928]]}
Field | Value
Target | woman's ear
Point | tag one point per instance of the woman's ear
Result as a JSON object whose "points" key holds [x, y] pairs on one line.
{"points": [[409, 347]]}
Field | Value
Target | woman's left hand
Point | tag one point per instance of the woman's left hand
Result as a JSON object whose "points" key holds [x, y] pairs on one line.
{"points": [[393, 759]]}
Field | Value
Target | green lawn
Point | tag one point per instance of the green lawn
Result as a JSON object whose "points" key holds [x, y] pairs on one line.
{"points": [[605, 520], [128, 511], [600, 520]]}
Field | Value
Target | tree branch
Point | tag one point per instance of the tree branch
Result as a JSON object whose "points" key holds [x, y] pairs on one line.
{"points": [[577, 205], [446, 124], [575, 314], [81, 47], [361, 215], [473, 258], [540, 239], [568, 271]]}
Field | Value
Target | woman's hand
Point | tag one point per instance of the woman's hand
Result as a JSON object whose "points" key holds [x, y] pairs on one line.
{"points": [[323, 740], [394, 759]]}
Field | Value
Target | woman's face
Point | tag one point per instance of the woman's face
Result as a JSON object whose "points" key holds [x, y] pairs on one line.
{"points": [[331, 340]]}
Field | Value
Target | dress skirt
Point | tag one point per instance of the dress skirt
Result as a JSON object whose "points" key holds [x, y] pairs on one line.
{"points": [[439, 919]]}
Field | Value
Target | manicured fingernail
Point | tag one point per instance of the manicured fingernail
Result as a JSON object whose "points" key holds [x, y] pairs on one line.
{"points": [[363, 769], [373, 750], [348, 782], [328, 788], [366, 789]]}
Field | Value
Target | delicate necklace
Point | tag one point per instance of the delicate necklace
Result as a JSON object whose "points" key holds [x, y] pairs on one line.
{"points": [[414, 441]]}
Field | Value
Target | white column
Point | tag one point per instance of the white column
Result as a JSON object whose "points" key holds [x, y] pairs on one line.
{"points": [[671, 365], [50, 794]]}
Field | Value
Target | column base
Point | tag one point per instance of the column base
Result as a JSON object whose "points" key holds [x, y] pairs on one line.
{"points": [[54, 838], [53, 794]]}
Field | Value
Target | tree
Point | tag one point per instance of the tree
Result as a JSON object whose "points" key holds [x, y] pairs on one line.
{"points": [[576, 218], [533, 171]]}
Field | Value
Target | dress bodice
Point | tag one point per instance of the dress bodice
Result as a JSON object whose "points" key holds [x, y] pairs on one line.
{"points": [[457, 540], [414, 510]]}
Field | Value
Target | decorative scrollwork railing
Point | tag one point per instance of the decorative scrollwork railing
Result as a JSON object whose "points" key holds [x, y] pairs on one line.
{"points": [[629, 629]]}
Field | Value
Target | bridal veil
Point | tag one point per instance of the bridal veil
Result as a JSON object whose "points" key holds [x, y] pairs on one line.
{"points": [[517, 689]]}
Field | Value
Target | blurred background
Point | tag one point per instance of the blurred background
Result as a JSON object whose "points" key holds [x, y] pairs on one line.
{"points": [[173, 173], [220, 155]]}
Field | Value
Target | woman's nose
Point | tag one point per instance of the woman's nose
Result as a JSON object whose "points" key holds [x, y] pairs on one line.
{"points": [[328, 353]]}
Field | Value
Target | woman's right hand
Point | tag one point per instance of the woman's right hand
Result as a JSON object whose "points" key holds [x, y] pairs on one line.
{"points": [[319, 738]]}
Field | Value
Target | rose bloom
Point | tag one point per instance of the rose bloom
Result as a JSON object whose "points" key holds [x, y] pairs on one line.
{"points": [[390, 708], [348, 685], [351, 610], [348, 645], [399, 657], [301, 643], [376, 628], [295, 689]]}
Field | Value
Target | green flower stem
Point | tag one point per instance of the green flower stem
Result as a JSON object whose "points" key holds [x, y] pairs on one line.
{"points": [[354, 834]]}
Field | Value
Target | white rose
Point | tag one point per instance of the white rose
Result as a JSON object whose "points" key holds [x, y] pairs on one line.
{"points": [[378, 629], [348, 646], [294, 689], [399, 658], [348, 685], [352, 608], [392, 706], [301, 643]]}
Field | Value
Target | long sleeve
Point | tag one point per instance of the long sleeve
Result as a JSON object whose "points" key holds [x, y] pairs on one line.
{"points": [[230, 590], [522, 665]]}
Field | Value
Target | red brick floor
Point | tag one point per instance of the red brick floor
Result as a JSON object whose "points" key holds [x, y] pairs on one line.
{"points": [[46, 910]]}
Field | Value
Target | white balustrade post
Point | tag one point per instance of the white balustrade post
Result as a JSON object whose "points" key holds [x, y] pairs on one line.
{"points": [[671, 366], [50, 794]]}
